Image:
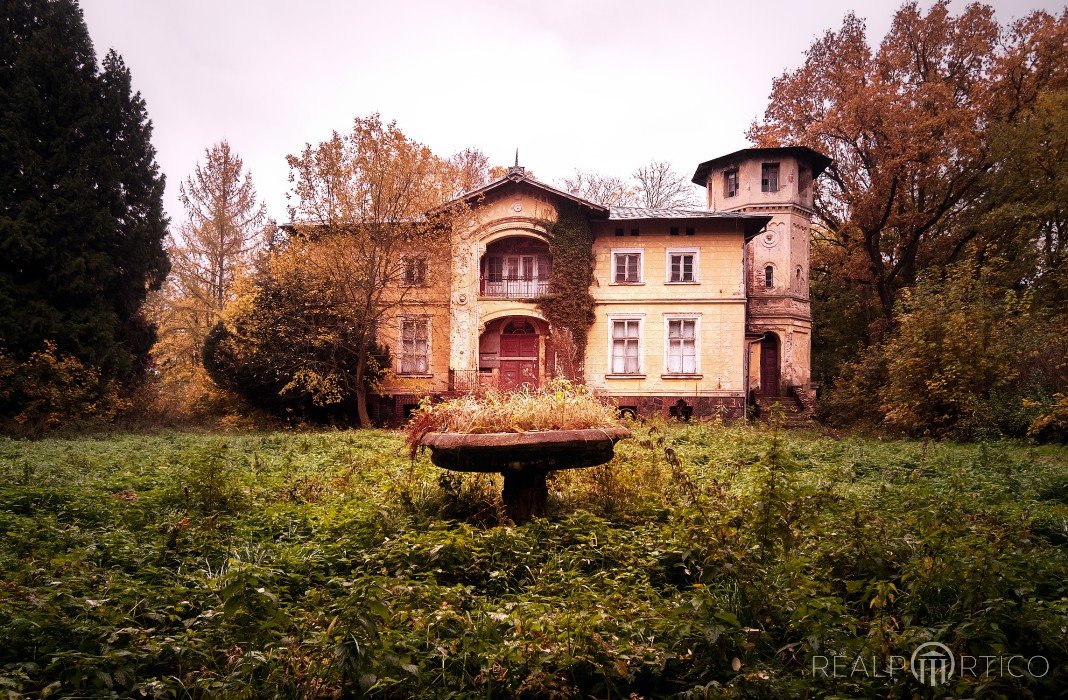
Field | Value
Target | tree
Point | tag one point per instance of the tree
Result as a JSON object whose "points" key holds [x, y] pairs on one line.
{"points": [[368, 205], [224, 221], [1027, 196], [660, 187], [908, 128], [286, 348], [606, 190], [472, 169], [81, 214], [223, 229]]}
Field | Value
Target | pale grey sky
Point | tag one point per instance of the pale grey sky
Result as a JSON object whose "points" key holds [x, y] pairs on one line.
{"points": [[601, 85]]}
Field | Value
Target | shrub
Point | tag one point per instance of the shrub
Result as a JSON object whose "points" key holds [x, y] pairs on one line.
{"points": [[52, 388]]}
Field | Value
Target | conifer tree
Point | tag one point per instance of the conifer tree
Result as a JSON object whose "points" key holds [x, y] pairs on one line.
{"points": [[81, 214]]}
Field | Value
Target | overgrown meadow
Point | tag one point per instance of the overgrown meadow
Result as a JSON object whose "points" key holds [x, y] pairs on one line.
{"points": [[704, 561]]}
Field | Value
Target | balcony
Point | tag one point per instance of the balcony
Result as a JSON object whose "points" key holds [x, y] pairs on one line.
{"points": [[515, 267], [513, 288]]}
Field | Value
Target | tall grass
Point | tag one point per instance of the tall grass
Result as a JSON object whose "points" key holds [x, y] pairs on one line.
{"points": [[560, 405]]}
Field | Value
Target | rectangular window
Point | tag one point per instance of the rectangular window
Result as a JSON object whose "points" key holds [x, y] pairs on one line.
{"points": [[627, 268], [494, 268], [730, 183], [414, 271], [415, 346], [625, 346], [769, 177], [682, 346], [682, 267]]}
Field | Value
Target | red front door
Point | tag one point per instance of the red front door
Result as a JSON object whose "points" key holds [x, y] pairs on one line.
{"points": [[519, 356]]}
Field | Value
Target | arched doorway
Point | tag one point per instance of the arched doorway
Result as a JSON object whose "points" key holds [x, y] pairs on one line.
{"points": [[518, 355], [769, 365]]}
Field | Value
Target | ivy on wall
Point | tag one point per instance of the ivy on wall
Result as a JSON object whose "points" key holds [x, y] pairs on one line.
{"points": [[569, 304]]}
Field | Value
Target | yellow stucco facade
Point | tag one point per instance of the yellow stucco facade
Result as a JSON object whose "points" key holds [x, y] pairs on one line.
{"points": [[674, 329]]}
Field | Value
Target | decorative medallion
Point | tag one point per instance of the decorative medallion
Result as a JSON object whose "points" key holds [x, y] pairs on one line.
{"points": [[770, 238], [461, 299], [517, 207]]}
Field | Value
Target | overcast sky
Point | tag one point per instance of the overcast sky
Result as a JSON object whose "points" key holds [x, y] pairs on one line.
{"points": [[603, 85]]}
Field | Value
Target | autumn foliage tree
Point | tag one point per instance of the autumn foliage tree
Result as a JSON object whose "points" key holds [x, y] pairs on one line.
{"points": [[369, 237], [908, 125], [222, 230]]}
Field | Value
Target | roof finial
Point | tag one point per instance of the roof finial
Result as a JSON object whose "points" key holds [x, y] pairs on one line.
{"points": [[517, 157]]}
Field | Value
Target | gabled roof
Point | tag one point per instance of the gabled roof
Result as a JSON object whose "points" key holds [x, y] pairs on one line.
{"points": [[518, 175], [752, 224], [818, 161]]}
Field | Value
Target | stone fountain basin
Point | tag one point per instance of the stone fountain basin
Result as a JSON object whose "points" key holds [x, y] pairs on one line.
{"points": [[546, 450], [523, 459]]}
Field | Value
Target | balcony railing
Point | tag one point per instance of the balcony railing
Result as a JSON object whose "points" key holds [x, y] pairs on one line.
{"points": [[513, 289], [471, 381]]}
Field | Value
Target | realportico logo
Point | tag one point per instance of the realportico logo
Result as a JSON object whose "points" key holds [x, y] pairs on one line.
{"points": [[931, 663]]}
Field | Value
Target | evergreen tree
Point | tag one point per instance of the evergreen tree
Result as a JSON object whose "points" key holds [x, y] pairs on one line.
{"points": [[81, 215]]}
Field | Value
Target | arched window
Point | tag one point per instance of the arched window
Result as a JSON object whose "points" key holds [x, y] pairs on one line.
{"points": [[769, 277]]}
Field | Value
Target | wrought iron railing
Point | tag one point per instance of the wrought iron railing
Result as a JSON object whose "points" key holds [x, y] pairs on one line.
{"points": [[471, 381], [513, 288]]}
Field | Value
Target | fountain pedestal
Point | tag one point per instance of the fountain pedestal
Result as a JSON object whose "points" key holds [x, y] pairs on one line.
{"points": [[524, 459]]}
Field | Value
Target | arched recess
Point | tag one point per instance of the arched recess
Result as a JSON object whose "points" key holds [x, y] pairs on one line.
{"points": [[512, 350]]}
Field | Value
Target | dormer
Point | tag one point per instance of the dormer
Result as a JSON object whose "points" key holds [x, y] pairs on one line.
{"points": [[761, 177]]}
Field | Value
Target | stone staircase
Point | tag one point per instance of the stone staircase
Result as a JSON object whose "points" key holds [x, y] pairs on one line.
{"points": [[797, 407]]}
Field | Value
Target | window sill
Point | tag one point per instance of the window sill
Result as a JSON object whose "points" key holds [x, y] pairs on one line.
{"points": [[690, 282], [681, 375], [624, 376], [626, 284], [414, 376]]}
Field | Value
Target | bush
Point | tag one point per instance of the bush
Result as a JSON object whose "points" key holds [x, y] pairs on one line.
{"points": [[967, 358], [51, 389]]}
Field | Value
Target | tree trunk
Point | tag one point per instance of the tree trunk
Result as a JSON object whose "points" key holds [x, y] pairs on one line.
{"points": [[362, 416], [525, 494]]}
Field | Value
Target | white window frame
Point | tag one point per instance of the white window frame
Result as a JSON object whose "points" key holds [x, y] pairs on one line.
{"points": [[695, 252], [696, 318], [640, 318], [640, 252], [400, 345]]}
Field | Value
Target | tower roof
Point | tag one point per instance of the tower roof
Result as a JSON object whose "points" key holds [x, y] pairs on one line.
{"points": [[818, 161]]}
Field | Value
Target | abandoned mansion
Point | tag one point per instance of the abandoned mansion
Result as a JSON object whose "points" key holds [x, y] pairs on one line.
{"points": [[694, 311]]}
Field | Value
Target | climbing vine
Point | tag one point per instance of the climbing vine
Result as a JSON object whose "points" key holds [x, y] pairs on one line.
{"points": [[569, 305]]}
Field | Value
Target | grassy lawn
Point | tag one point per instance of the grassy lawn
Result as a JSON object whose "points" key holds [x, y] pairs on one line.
{"points": [[704, 562]]}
